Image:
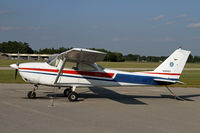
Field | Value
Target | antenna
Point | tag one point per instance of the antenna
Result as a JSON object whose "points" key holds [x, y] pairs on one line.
{"points": [[180, 47]]}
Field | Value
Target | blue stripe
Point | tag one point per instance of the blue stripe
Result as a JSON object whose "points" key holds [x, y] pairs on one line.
{"points": [[138, 79]]}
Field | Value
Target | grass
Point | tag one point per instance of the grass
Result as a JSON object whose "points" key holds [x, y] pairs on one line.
{"points": [[190, 77], [8, 76]]}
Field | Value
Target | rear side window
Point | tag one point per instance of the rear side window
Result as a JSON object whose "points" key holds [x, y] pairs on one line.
{"points": [[86, 67], [71, 65]]}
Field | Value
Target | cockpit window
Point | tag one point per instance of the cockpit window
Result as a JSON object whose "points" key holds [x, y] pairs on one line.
{"points": [[86, 67], [71, 65]]}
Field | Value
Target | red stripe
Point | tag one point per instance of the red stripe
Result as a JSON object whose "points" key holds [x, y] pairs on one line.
{"points": [[96, 74], [162, 73]]}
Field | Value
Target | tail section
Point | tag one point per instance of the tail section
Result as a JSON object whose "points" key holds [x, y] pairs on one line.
{"points": [[174, 64]]}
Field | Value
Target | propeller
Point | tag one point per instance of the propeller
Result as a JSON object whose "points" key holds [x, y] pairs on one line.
{"points": [[16, 66], [16, 71]]}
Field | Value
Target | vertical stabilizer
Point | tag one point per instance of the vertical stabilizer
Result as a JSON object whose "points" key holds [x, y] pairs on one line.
{"points": [[175, 63]]}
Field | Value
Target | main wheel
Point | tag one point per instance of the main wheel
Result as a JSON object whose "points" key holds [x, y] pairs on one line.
{"points": [[67, 92], [73, 96], [31, 94]]}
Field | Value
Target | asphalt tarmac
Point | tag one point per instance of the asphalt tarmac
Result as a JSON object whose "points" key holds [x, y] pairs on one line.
{"points": [[99, 110]]}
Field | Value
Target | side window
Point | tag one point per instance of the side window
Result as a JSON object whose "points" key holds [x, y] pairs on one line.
{"points": [[71, 65], [86, 67]]}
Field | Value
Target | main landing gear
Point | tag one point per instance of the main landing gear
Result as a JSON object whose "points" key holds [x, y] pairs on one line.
{"points": [[32, 94], [71, 94], [67, 91]]}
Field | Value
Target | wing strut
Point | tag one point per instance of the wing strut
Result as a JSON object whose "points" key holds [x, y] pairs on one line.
{"points": [[60, 71]]}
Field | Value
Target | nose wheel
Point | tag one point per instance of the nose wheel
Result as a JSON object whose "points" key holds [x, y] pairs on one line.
{"points": [[32, 94]]}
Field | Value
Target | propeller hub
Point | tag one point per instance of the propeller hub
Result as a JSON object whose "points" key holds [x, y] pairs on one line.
{"points": [[14, 66]]}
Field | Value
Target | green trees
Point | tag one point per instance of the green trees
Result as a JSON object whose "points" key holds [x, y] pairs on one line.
{"points": [[15, 47], [131, 57], [193, 59], [111, 56], [52, 50], [23, 47]]}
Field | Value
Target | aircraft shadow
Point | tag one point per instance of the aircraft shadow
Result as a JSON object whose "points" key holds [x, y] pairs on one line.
{"points": [[112, 95], [130, 99]]}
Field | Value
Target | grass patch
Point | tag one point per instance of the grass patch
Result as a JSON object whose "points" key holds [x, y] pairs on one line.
{"points": [[8, 76], [191, 78]]}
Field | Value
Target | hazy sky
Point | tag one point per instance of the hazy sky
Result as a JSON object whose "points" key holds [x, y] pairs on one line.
{"points": [[145, 27]]}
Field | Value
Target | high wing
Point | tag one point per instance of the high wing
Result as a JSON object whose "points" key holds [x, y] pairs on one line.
{"points": [[82, 55]]}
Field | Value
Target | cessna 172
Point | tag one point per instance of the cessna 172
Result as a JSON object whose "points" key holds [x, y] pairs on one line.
{"points": [[77, 68]]}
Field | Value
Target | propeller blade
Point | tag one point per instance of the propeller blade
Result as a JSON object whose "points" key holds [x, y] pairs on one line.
{"points": [[17, 63], [16, 71]]}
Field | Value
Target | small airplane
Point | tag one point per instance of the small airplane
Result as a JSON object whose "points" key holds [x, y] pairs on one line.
{"points": [[77, 68]]}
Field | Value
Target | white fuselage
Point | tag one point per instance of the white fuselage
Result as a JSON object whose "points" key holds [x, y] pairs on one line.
{"points": [[45, 74]]}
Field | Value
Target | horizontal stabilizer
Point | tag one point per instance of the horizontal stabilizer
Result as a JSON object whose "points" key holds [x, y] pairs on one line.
{"points": [[167, 81]]}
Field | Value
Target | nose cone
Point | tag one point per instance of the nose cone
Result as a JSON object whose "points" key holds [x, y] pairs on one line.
{"points": [[14, 66]]}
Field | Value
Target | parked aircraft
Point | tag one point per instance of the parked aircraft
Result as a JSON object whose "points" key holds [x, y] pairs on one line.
{"points": [[77, 68]]}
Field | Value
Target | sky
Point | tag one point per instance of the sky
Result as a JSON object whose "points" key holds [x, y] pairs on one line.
{"points": [[145, 27]]}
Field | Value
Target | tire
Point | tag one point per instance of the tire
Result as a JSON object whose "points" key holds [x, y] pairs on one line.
{"points": [[31, 94], [67, 92], [73, 96]]}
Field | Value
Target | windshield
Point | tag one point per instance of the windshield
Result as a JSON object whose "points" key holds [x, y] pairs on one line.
{"points": [[52, 59]]}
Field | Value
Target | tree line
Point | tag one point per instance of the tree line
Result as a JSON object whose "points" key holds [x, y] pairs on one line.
{"points": [[23, 47]]}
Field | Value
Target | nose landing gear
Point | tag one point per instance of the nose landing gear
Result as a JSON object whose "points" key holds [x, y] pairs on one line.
{"points": [[32, 94]]}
